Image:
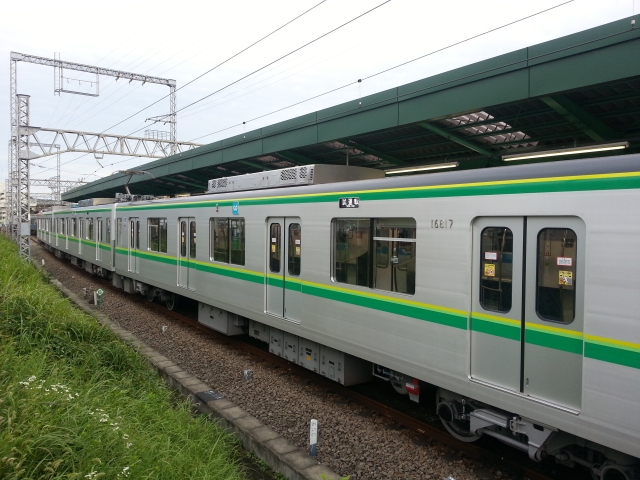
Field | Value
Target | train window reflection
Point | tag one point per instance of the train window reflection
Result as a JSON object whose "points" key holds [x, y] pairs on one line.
{"points": [[220, 247], [556, 282], [352, 251], [496, 269], [157, 234]]}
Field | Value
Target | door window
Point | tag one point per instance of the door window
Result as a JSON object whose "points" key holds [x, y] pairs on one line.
{"points": [[192, 239], [496, 269], [274, 251], [555, 287], [183, 238]]}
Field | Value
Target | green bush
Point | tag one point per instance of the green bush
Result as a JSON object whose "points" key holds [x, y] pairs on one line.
{"points": [[77, 403]]}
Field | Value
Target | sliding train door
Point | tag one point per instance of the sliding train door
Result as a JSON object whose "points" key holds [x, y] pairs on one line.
{"points": [[527, 306], [284, 256], [554, 310], [496, 319]]}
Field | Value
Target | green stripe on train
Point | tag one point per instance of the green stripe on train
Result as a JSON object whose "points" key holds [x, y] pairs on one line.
{"points": [[496, 329], [615, 355], [389, 306], [551, 340]]}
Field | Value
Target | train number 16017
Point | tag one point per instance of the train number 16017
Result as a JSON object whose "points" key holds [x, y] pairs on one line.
{"points": [[442, 223]]}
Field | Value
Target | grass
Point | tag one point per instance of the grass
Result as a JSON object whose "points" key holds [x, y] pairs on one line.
{"points": [[77, 403]]}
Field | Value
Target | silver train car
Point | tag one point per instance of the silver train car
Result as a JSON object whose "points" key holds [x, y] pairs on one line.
{"points": [[514, 290]]}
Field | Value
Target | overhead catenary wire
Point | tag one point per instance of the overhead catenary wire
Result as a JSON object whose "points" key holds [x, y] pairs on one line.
{"points": [[284, 56], [356, 82], [220, 64]]}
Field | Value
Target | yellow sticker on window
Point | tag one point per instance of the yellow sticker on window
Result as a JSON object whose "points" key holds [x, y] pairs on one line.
{"points": [[566, 277], [273, 248], [297, 251], [309, 357], [489, 270]]}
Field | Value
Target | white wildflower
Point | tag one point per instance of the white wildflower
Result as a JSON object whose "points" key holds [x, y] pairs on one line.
{"points": [[125, 436], [129, 445], [32, 378], [91, 475]]}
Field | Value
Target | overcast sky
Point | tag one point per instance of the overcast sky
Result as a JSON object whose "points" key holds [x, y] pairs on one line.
{"points": [[181, 40]]}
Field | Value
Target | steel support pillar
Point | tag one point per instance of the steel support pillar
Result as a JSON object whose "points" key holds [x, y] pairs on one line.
{"points": [[13, 147], [24, 215], [173, 124]]}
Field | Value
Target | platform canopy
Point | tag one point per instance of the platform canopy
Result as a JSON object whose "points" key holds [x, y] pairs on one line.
{"points": [[575, 91]]}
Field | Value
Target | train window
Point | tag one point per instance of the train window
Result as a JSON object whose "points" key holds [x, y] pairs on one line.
{"points": [[496, 269], [352, 251], [220, 235], [157, 234], [137, 234], [236, 243], [81, 228], [192, 239], [395, 255], [295, 248], [556, 275], [89, 228], [274, 252], [227, 240], [376, 253], [108, 231], [73, 231], [183, 239]]}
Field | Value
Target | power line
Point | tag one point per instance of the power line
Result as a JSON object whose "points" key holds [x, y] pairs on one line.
{"points": [[220, 64], [286, 55], [385, 70]]}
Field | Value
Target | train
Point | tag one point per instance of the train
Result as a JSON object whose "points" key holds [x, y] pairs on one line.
{"points": [[514, 291]]}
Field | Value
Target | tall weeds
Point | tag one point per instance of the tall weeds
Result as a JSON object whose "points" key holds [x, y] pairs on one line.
{"points": [[76, 403]]}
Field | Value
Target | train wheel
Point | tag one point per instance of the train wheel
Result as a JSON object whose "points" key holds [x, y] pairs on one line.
{"points": [[170, 300], [450, 407], [151, 293]]}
